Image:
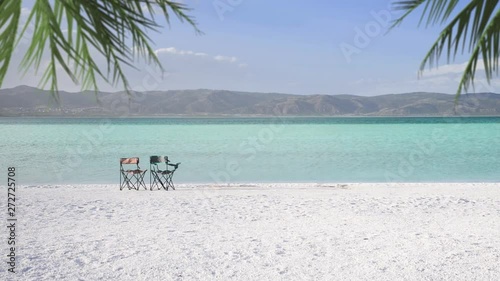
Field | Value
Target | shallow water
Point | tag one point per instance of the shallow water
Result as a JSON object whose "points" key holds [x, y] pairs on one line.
{"points": [[83, 150]]}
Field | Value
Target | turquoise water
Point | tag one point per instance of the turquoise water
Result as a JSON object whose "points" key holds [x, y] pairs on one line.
{"points": [[50, 150]]}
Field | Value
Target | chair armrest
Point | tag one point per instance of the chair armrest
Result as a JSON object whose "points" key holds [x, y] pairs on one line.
{"points": [[175, 165]]}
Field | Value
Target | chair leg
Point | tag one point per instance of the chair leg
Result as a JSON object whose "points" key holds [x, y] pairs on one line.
{"points": [[135, 182], [132, 181], [160, 181], [156, 182], [165, 182], [169, 181], [123, 180], [127, 181], [132, 184], [141, 180]]}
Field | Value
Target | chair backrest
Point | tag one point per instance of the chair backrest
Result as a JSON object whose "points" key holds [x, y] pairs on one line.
{"points": [[158, 159], [126, 161], [132, 160]]}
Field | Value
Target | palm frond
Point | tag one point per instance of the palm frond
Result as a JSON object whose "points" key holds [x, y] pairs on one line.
{"points": [[10, 13], [435, 11], [116, 29], [487, 48], [407, 7], [473, 30]]}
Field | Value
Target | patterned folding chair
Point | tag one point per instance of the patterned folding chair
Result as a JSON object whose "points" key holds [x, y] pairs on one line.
{"points": [[132, 179], [161, 178]]}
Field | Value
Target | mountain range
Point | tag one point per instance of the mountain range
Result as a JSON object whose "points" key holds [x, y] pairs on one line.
{"points": [[28, 101]]}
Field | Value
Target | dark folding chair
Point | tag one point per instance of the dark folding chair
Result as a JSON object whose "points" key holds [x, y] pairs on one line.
{"points": [[161, 178], [132, 179]]}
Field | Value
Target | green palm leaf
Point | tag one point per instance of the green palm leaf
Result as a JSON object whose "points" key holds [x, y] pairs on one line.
{"points": [[10, 13], [117, 29], [475, 29]]}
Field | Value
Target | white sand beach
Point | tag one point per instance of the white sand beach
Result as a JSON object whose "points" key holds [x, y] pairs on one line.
{"points": [[259, 232]]}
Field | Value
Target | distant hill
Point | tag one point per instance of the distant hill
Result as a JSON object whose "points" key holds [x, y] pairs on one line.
{"points": [[28, 101]]}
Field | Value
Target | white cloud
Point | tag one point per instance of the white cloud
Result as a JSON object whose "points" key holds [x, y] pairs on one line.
{"points": [[447, 82], [448, 69], [218, 58], [225, 59], [174, 51]]}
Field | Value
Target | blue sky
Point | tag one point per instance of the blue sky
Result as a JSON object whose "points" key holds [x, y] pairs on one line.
{"points": [[290, 46]]}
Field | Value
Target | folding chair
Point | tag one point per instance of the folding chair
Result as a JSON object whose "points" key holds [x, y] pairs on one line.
{"points": [[161, 178], [132, 179]]}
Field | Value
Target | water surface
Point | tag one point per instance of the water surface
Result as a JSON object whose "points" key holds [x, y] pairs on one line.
{"points": [[86, 150]]}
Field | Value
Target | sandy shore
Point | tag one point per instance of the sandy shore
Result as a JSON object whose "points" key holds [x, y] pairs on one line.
{"points": [[259, 232]]}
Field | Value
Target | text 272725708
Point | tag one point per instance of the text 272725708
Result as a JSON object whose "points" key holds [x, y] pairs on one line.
{"points": [[11, 219]]}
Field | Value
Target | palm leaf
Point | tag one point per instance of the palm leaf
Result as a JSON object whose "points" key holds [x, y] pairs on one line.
{"points": [[117, 29], [475, 29], [10, 13]]}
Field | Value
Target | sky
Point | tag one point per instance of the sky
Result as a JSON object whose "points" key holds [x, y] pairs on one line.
{"points": [[287, 46]]}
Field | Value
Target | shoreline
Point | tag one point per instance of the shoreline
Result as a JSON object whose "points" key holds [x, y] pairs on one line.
{"points": [[242, 116], [288, 185]]}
